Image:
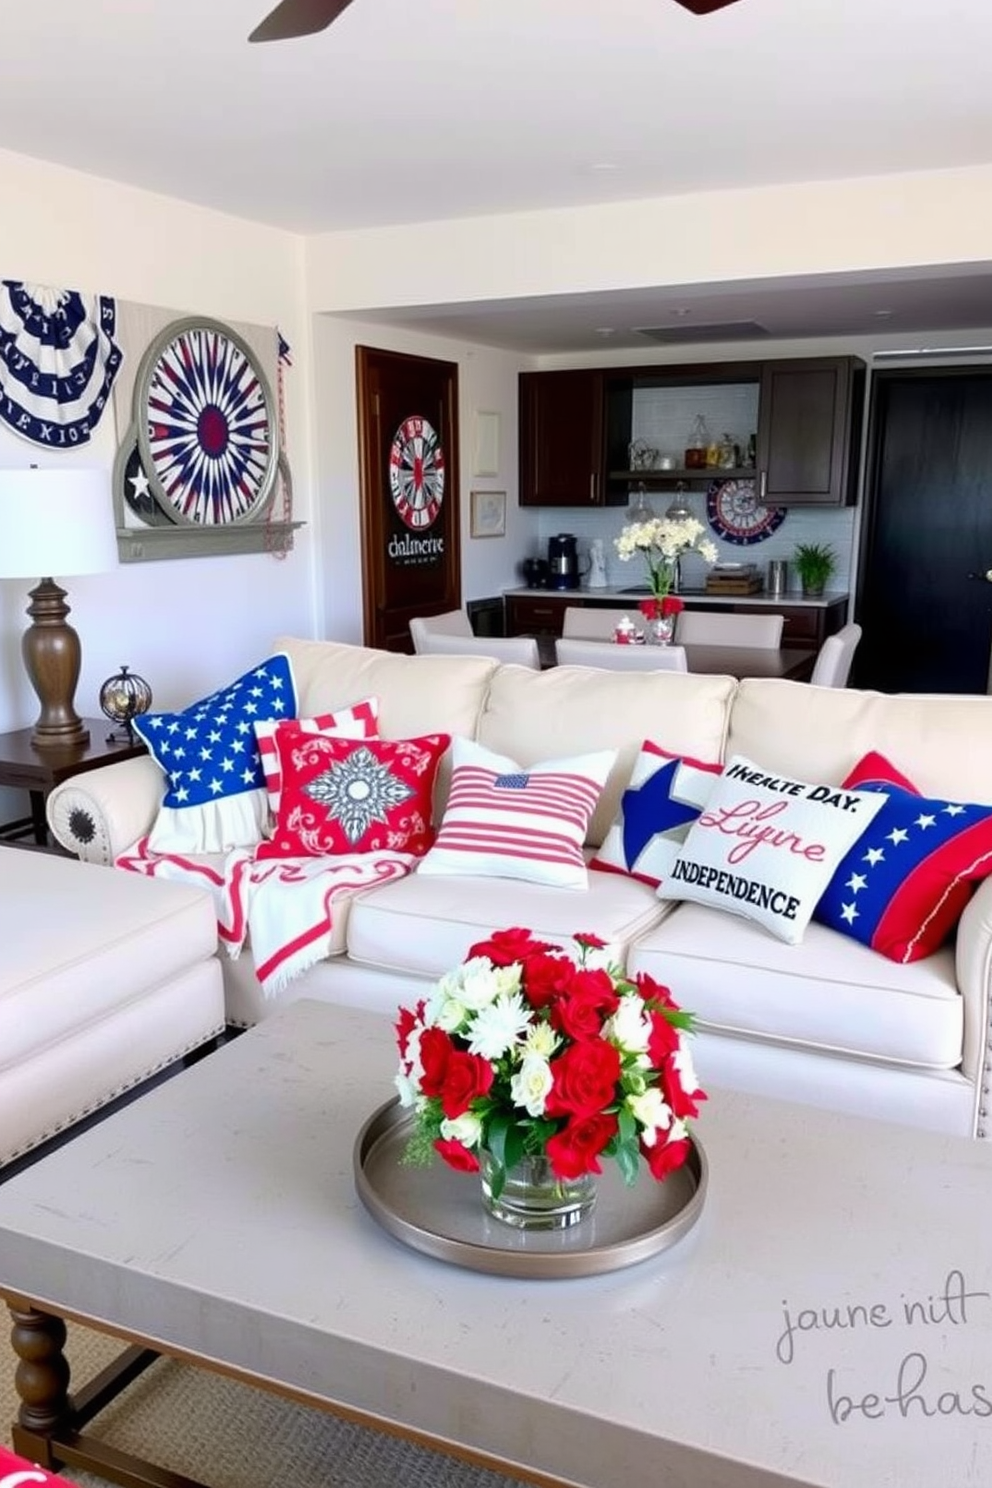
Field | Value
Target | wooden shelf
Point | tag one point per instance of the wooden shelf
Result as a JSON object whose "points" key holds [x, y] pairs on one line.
{"points": [[669, 477]]}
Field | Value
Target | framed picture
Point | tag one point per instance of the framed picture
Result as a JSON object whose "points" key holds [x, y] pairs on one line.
{"points": [[487, 514], [486, 455]]}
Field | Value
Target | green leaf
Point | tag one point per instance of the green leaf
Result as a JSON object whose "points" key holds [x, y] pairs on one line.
{"points": [[628, 1159]]}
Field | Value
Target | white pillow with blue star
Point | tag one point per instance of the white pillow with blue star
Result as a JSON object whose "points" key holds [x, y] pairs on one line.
{"points": [[215, 797]]}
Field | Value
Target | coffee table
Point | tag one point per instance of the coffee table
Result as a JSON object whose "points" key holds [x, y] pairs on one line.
{"points": [[828, 1321]]}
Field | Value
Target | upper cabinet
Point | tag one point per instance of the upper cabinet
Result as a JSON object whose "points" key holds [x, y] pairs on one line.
{"points": [[588, 437], [562, 449], [809, 431]]}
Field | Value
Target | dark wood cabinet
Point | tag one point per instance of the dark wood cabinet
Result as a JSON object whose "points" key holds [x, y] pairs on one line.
{"points": [[809, 431], [576, 429], [562, 450]]}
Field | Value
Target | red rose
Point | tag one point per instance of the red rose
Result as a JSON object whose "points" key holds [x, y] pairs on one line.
{"points": [[663, 1039], [582, 1010], [574, 1150], [664, 1158], [585, 1078], [682, 1101], [546, 978], [457, 1155], [405, 1023], [436, 1049], [671, 605], [590, 941], [653, 991], [465, 1077], [506, 946], [650, 609]]}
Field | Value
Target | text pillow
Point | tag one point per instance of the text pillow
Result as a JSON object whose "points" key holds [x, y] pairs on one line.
{"points": [[665, 795], [765, 846], [354, 796], [360, 721], [503, 820], [903, 885], [215, 798]]}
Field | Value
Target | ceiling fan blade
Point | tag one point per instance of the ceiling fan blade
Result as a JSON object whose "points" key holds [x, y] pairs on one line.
{"points": [[298, 18], [703, 7]]}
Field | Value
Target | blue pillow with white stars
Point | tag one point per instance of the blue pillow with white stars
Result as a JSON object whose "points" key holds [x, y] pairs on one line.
{"points": [[902, 887], [215, 797]]}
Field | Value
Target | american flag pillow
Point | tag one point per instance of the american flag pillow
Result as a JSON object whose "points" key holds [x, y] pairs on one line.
{"points": [[902, 887], [665, 795], [359, 721], [215, 789], [505, 820]]}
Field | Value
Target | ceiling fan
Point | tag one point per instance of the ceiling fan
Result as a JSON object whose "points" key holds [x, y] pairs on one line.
{"points": [[293, 18]]}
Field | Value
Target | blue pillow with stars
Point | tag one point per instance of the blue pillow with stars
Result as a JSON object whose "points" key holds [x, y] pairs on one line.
{"points": [[215, 797], [665, 795]]}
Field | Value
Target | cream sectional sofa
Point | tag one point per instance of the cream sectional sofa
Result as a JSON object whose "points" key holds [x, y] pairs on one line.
{"points": [[827, 1021]]}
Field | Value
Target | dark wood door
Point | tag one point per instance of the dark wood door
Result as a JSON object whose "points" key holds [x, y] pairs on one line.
{"points": [[924, 602], [408, 452], [809, 431], [562, 456]]}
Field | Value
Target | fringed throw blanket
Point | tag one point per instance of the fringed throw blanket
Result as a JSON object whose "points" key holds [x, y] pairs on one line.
{"points": [[284, 906]]}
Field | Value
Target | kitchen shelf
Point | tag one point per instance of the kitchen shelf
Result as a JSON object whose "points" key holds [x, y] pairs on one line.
{"points": [[666, 477]]}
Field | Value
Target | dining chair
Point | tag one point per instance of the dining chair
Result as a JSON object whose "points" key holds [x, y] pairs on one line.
{"points": [[590, 623], [571, 651], [449, 623], [723, 628], [833, 663], [520, 649]]}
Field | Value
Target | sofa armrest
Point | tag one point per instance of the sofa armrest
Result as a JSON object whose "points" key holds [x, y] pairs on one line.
{"points": [[973, 967], [98, 814]]}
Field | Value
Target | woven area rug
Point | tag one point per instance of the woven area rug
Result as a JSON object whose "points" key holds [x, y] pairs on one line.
{"points": [[231, 1435]]}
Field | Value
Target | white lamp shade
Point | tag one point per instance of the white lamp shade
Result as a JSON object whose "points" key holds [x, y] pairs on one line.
{"points": [[54, 523]]}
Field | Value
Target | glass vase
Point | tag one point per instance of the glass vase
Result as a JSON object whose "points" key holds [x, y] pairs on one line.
{"points": [[659, 632], [533, 1198]]}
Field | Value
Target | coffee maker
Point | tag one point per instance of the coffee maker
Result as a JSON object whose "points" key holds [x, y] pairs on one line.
{"points": [[563, 561]]}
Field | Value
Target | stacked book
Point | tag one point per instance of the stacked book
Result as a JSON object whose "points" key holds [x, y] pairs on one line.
{"points": [[733, 578]]}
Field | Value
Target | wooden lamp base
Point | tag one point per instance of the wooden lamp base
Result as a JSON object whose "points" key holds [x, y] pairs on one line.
{"points": [[52, 657]]}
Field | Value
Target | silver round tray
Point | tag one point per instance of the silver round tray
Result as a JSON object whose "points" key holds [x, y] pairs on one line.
{"points": [[439, 1211]]}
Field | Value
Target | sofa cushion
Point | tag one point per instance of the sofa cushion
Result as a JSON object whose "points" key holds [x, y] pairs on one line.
{"points": [[353, 796], [765, 846], [503, 821], [425, 925], [215, 794], [361, 721], [828, 994], [664, 797], [571, 710], [902, 887]]}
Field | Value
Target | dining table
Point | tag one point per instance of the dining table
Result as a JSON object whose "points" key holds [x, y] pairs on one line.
{"points": [[794, 663]]}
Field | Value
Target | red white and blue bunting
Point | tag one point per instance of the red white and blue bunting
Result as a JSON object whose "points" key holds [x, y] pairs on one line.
{"points": [[58, 361]]}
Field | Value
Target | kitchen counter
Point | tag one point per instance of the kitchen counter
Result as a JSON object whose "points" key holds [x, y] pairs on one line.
{"points": [[698, 597]]}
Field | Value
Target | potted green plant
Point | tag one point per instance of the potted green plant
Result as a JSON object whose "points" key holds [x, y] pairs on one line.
{"points": [[814, 563]]}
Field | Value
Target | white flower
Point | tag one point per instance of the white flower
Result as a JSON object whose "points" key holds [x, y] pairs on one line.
{"points": [[652, 1111], [665, 537], [630, 1027], [530, 1085], [482, 982], [408, 1089], [682, 1060], [466, 1129], [541, 1041], [495, 1029]]}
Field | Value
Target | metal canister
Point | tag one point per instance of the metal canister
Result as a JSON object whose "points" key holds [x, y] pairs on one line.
{"points": [[777, 581]]}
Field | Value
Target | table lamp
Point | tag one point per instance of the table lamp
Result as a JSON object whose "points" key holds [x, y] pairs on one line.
{"points": [[54, 522]]}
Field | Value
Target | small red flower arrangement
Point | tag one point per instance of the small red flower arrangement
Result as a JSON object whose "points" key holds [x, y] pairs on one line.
{"points": [[661, 609], [532, 1049]]}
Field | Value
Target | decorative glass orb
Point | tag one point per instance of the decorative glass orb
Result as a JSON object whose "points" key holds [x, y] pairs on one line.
{"points": [[122, 697]]}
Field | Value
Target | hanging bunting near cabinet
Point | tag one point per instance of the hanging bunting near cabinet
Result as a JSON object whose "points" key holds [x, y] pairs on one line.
{"points": [[58, 362]]}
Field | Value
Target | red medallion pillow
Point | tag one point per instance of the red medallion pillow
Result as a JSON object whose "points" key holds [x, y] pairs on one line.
{"points": [[903, 885], [354, 796], [359, 721]]}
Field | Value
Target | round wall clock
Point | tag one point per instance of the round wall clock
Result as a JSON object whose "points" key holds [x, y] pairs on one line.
{"points": [[416, 472], [206, 425], [734, 513]]}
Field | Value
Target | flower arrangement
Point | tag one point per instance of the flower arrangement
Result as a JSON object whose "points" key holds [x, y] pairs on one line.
{"points": [[662, 541], [529, 1049], [665, 608]]}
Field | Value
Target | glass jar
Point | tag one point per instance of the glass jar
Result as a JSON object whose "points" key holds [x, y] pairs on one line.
{"points": [[699, 441]]}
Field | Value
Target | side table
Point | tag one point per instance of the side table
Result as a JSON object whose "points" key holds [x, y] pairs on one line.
{"points": [[39, 771]]}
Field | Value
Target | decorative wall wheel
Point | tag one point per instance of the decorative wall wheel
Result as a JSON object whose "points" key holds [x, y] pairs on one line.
{"points": [[416, 472], [206, 426], [735, 514]]}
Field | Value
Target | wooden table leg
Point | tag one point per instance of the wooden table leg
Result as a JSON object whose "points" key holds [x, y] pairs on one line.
{"points": [[42, 1382]]}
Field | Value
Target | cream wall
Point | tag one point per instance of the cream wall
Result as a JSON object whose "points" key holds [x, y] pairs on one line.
{"points": [[185, 625]]}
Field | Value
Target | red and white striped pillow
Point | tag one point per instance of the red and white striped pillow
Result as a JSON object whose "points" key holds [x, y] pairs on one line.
{"points": [[503, 820], [359, 721]]}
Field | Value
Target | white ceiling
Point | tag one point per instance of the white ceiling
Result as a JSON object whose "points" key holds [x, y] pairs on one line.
{"points": [[412, 110]]}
